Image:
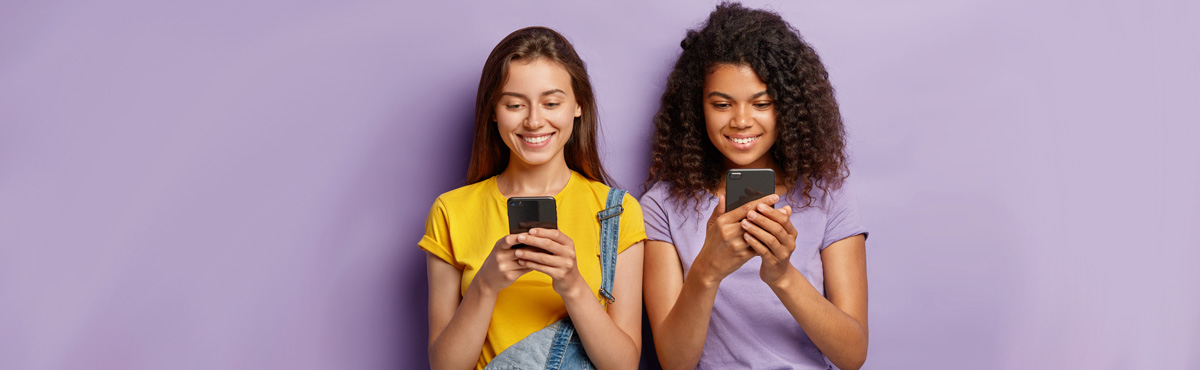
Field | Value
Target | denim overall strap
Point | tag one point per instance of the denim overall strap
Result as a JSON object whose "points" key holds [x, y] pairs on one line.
{"points": [[554, 347], [610, 227], [559, 347]]}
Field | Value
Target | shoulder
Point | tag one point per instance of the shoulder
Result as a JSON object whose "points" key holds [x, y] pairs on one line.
{"points": [[659, 194], [600, 191], [835, 194], [824, 194], [465, 195]]}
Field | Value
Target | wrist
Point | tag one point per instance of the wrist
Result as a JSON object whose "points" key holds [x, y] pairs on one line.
{"points": [[482, 290], [575, 289], [703, 275], [788, 279]]}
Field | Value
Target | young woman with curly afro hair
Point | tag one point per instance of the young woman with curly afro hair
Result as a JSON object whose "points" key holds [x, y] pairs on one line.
{"points": [[748, 92]]}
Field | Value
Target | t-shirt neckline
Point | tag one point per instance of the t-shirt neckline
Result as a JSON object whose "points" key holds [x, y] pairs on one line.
{"points": [[495, 185]]}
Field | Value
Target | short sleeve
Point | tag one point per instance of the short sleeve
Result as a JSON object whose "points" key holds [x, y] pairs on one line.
{"points": [[633, 229], [655, 213], [436, 240], [843, 219]]}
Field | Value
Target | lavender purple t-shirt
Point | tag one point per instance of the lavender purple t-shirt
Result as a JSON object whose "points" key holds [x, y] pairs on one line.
{"points": [[750, 328]]}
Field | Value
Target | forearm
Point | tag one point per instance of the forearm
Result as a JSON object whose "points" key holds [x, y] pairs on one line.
{"points": [[607, 346], [838, 335], [466, 330], [679, 339]]}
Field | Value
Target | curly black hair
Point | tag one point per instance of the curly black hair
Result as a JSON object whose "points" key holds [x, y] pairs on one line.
{"points": [[810, 148]]}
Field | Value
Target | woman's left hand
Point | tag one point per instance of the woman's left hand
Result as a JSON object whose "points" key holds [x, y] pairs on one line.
{"points": [[558, 260], [770, 232]]}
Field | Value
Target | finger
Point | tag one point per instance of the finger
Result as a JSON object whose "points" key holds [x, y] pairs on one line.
{"points": [[769, 200], [549, 245], [758, 246], [515, 266], [740, 212], [539, 257], [508, 241], [534, 266], [767, 222], [552, 234], [784, 217], [765, 237], [508, 262], [776, 215]]}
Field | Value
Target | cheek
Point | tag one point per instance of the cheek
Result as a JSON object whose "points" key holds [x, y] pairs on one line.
{"points": [[563, 119], [507, 121], [769, 124], [713, 123]]}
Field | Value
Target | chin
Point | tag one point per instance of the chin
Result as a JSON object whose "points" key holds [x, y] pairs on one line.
{"points": [[535, 160], [743, 160]]}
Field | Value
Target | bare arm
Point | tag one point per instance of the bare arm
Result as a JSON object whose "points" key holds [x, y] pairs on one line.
{"points": [[837, 325], [458, 323], [679, 308], [612, 339]]}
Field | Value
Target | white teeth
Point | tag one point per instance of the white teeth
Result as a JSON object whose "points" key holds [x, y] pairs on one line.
{"points": [[535, 140], [743, 140]]}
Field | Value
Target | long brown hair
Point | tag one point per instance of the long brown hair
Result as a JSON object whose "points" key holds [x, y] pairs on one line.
{"points": [[489, 155]]}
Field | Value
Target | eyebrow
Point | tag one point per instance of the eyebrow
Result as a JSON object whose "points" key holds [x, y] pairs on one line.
{"points": [[547, 92], [726, 96]]}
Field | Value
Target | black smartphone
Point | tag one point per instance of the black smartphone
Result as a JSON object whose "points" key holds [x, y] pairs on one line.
{"points": [[525, 213], [745, 185]]}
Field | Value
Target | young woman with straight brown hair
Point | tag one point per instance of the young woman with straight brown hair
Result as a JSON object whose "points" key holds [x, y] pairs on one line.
{"points": [[575, 303]]}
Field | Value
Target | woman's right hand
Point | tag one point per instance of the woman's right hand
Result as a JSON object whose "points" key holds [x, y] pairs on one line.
{"points": [[725, 249], [501, 269]]}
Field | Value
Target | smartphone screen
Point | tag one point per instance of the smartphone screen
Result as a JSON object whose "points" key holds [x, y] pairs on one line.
{"points": [[525, 213], [746, 185]]}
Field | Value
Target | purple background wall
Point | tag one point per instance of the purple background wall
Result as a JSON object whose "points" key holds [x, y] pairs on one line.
{"points": [[234, 185]]}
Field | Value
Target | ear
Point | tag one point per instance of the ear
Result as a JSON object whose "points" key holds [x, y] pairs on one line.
{"points": [[578, 110]]}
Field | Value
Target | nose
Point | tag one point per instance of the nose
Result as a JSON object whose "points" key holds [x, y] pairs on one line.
{"points": [[741, 118], [534, 120]]}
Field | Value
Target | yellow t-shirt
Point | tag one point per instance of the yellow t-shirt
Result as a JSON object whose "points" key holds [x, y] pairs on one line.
{"points": [[465, 223]]}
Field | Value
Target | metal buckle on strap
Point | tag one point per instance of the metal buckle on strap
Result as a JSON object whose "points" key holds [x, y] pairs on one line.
{"points": [[603, 216], [606, 296]]}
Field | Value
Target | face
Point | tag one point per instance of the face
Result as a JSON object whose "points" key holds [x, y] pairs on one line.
{"points": [[739, 115], [536, 111]]}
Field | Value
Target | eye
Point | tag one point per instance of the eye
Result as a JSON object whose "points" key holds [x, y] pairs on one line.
{"points": [[721, 105], [553, 105], [763, 105], [513, 106]]}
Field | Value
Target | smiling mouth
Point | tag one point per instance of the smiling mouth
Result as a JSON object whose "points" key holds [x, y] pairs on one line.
{"points": [[536, 139], [743, 140]]}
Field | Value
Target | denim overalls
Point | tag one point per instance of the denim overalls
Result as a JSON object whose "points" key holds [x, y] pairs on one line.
{"points": [[557, 346]]}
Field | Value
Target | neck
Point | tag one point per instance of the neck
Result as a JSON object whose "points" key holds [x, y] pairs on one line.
{"points": [[520, 179], [763, 162]]}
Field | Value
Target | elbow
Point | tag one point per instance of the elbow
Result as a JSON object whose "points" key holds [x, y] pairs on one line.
{"points": [[853, 360], [674, 363], [668, 363], [851, 364]]}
